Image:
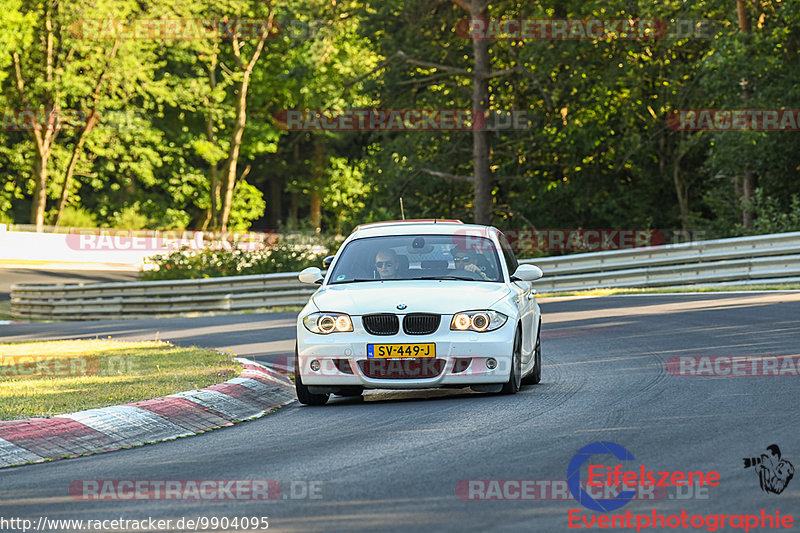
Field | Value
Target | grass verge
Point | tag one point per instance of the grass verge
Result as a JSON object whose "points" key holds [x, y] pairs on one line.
{"points": [[666, 290], [58, 377], [5, 310]]}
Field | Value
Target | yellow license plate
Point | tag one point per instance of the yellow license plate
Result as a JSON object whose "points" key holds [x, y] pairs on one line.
{"points": [[386, 351]]}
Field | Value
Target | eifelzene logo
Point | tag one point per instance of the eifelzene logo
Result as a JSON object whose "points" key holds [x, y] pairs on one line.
{"points": [[774, 473]]}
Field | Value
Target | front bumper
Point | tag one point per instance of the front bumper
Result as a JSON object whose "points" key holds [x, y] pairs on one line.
{"points": [[461, 357]]}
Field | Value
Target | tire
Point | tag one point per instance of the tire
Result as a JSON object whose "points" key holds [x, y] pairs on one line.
{"points": [[535, 377], [303, 395], [514, 381]]}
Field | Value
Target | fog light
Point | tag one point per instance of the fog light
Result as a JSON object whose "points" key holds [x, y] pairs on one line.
{"points": [[491, 364], [314, 365]]}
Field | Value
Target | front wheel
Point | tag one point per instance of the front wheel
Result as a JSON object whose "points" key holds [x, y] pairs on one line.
{"points": [[514, 381], [303, 395], [535, 377]]}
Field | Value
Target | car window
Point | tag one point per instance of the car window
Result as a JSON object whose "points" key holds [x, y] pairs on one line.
{"points": [[508, 255], [409, 257]]}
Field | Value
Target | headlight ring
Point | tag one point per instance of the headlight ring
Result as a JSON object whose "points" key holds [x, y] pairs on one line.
{"points": [[326, 323], [479, 321]]}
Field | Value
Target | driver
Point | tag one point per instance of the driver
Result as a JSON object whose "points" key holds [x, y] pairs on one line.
{"points": [[386, 264], [468, 260]]}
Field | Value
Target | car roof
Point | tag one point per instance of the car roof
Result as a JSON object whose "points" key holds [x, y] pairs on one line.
{"points": [[421, 227]]}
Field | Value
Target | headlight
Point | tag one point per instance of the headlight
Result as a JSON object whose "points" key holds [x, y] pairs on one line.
{"points": [[477, 321], [324, 323]]}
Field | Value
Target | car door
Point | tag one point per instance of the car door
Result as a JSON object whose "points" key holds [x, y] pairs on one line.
{"points": [[524, 300]]}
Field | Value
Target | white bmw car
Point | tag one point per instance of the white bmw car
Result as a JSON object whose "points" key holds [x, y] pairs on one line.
{"points": [[419, 304]]}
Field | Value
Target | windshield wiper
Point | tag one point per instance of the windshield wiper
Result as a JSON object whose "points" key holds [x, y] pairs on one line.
{"points": [[461, 278], [355, 280]]}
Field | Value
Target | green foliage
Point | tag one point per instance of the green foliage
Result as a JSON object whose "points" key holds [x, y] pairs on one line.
{"points": [[773, 217], [248, 205], [289, 255], [77, 217], [598, 152], [129, 218]]}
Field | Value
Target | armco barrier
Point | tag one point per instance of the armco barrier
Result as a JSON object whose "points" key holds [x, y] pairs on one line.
{"points": [[747, 260], [140, 299], [744, 260]]}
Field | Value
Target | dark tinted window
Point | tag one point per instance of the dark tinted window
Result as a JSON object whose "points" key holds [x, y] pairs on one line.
{"points": [[405, 257], [508, 255]]}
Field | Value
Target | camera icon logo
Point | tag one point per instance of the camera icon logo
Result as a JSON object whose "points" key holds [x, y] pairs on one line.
{"points": [[774, 473]]}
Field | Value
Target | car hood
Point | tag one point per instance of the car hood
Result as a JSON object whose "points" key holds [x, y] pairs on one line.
{"points": [[424, 296]]}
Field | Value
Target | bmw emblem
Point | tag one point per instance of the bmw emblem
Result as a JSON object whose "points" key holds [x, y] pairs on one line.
{"points": [[401, 306]]}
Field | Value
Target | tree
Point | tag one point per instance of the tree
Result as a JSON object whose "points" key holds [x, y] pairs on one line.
{"points": [[246, 68]]}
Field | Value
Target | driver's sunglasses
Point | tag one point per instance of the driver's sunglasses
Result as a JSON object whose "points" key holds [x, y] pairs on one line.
{"points": [[461, 258], [381, 264]]}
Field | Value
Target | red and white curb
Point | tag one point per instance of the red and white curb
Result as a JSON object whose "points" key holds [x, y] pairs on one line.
{"points": [[258, 390]]}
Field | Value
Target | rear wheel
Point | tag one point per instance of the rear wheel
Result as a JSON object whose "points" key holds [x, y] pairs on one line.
{"points": [[303, 395], [512, 386], [536, 376]]}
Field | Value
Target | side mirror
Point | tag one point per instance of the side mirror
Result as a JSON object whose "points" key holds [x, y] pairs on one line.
{"points": [[527, 273], [311, 275], [327, 261]]}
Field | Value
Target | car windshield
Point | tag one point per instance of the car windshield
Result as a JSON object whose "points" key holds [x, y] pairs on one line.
{"points": [[409, 257]]}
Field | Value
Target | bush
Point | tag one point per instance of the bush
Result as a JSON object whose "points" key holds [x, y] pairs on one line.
{"points": [[771, 217], [75, 217], [129, 218], [289, 255]]}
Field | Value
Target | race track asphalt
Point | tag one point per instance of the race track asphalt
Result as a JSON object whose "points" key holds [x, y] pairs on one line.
{"points": [[393, 461]]}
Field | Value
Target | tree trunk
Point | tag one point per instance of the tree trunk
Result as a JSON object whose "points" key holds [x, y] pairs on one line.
{"points": [[294, 211], [744, 21], [482, 179], [748, 191], [275, 211], [212, 215], [44, 145], [682, 190], [317, 182], [748, 177], [73, 162], [316, 210], [681, 187], [43, 138], [39, 201], [233, 152], [241, 122]]}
